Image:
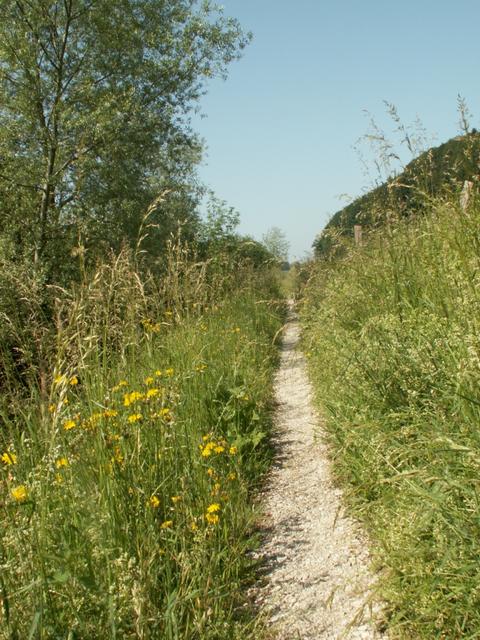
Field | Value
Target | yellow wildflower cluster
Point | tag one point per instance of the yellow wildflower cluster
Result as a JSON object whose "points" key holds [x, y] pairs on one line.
{"points": [[150, 326], [154, 502], [9, 458], [20, 493], [212, 513], [132, 398]]}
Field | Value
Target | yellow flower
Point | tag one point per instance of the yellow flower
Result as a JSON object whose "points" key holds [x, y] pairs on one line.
{"points": [[117, 455], [152, 393], [233, 451], [59, 379], [193, 526], [69, 424], [232, 476], [62, 462], [219, 448], [20, 493], [216, 488], [167, 524], [73, 381], [131, 398], [176, 499], [110, 413], [148, 380], [117, 387], [158, 373], [52, 408], [207, 449], [134, 417], [9, 458], [211, 472], [154, 502], [169, 372], [163, 413], [213, 508], [212, 518]]}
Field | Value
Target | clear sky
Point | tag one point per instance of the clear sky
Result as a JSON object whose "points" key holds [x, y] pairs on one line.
{"points": [[281, 130]]}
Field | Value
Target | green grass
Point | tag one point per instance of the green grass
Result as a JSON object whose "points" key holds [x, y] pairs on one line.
{"points": [[392, 332], [127, 500]]}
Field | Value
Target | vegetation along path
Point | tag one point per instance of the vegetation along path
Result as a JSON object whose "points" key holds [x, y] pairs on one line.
{"points": [[316, 562]]}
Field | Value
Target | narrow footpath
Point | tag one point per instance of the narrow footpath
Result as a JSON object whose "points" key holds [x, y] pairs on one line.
{"points": [[316, 579]]}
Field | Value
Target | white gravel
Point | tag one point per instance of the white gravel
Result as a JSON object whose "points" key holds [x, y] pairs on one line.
{"points": [[316, 582]]}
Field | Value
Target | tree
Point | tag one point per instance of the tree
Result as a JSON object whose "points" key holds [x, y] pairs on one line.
{"points": [[94, 104], [277, 244]]}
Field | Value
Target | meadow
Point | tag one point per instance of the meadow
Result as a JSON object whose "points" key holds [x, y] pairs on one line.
{"points": [[391, 331], [131, 443]]}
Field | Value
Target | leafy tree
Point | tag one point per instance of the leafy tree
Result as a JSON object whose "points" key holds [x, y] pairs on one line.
{"points": [[94, 104], [277, 244]]}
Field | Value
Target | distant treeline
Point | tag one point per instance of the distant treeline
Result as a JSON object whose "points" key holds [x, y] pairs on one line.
{"points": [[437, 172]]}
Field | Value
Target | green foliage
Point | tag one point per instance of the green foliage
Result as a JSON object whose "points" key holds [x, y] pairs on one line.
{"points": [[126, 475], [94, 119], [277, 244], [392, 334], [436, 173]]}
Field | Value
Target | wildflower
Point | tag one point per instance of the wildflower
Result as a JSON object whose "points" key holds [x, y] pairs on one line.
{"points": [[110, 413], [9, 458], [164, 413], [132, 398], [167, 524], [207, 449], [69, 424], [59, 379], [232, 476], [73, 381], [117, 387], [62, 462], [212, 518], [213, 508], [216, 488], [134, 417], [233, 450], [176, 499], [117, 455], [154, 502], [193, 526], [20, 493], [148, 380], [52, 408], [211, 472], [169, 372], [219, 448], [158, 373], [152, 393]]}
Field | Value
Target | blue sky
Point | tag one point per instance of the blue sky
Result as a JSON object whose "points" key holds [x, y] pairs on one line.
{"points": [[281, 130]]}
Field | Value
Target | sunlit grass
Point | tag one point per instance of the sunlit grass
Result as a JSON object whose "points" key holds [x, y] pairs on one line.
{"points": [[392, 333], [127, 509]]}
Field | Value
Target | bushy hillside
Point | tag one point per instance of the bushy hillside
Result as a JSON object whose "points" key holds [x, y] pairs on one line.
{"points": [[437, 172]]}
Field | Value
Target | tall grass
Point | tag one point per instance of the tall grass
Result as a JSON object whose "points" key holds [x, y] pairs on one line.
{"points": [[392, 331], [128, 456]]}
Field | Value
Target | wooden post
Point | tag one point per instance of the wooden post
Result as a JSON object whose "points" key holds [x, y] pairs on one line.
{"points": [[466, 194], [357, 231]]}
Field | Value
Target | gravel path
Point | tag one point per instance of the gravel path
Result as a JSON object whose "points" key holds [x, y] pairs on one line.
{"points": [[316, 579]]}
